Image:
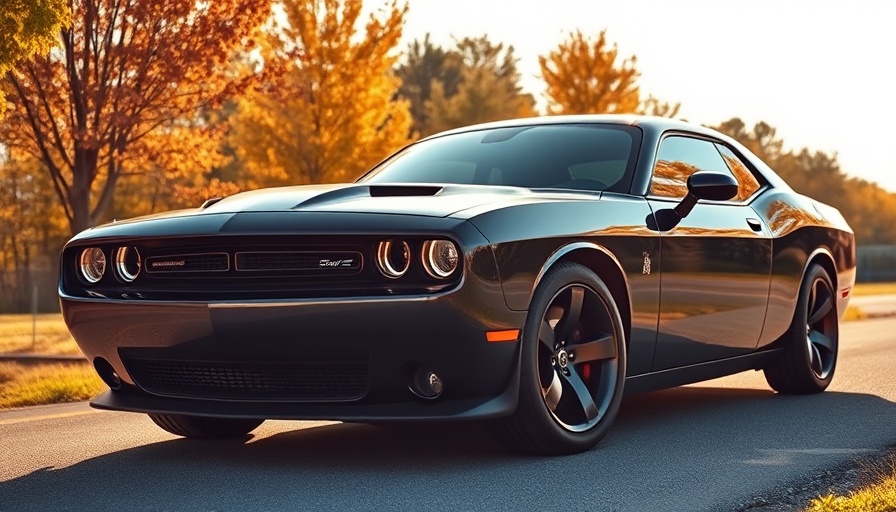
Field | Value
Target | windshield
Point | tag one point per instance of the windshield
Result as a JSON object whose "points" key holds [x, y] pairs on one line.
{"points": [[573, 156]]}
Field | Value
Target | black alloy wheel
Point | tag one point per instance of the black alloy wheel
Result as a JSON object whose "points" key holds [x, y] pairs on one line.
{"points": [[573, 365], [810, 344]]}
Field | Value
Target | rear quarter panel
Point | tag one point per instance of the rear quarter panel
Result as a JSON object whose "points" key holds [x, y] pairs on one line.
{"points": [[804, 231]]}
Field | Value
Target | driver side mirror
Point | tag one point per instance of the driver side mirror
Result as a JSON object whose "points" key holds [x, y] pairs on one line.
{"points": [[710, 186]]}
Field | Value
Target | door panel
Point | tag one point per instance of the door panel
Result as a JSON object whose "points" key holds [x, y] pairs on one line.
{"points": [[714, 287]]}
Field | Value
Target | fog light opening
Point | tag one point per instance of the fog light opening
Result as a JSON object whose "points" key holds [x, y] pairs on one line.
{"points": [[426, 383], [106, 372]]}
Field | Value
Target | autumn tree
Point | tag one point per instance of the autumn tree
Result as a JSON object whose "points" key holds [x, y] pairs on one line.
{"points": [[28, 27], [424, 64], [872, 212], [176, 170], [762, 139], [489, 88], [586, 76], [334, 113], [128, 71], [31, 228]]}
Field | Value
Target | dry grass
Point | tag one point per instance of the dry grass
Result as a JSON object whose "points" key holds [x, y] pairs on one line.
{"points": [[853, 313], [24, 384], [17, 334], [879, 496]]}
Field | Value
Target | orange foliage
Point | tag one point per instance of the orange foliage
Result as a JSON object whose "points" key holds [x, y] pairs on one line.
{"points": [[334, 113], [670, 179], [747, 183], [785, 218], [128, 70], [584, 77]]}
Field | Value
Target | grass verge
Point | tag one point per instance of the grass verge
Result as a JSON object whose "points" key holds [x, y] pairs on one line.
{"points": [[24, 384], [45, 334], [879, 496]]}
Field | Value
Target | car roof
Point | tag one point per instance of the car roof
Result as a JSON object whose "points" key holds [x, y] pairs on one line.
{"points": [[648, 123]]}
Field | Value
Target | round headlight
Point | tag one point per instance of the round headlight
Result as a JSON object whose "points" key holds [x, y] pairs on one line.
{"points": [[127, 263], [393, 257], [93, 264], [440, 258]]}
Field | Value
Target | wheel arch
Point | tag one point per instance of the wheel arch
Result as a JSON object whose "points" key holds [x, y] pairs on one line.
{"points": [[607, 267], [825, 259]]}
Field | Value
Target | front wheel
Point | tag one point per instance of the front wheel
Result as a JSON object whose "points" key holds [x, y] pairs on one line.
{"points": [[572, 368], [205, 427], [810, 345]]}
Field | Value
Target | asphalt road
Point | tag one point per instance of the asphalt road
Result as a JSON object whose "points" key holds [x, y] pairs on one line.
{"points": [[705, 447]]}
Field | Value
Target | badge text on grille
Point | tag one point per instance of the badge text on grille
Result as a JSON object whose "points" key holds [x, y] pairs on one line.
{"points": [[196, 262], [336, 263], [168, 263]]}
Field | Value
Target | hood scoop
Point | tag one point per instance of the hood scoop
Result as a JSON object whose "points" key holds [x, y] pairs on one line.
{"points": [[340, 195], [404, 190]]}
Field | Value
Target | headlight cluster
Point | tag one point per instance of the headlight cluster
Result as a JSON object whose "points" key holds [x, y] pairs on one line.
{"points": [[93, 266], [440, 258]]}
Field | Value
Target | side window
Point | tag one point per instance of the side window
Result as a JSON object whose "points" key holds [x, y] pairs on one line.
{"points": [[678, 158], [747, 182]]}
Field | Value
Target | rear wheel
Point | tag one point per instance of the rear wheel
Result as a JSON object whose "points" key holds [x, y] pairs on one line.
{"points": [[810, 345], [572, 368], [205, 427]]}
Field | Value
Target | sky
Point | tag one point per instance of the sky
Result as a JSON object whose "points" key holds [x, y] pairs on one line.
{"points": [[822, 72]]}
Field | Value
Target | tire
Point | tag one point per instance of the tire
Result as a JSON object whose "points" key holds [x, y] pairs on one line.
{"points": [[572, 368], [205, 427], [809, 359]]}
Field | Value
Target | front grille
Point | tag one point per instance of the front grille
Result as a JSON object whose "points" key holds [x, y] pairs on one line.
{"points": [[346, 261], [254, 267], [306, 381]]}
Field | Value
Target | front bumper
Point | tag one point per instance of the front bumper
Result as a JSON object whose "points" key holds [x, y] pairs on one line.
{"points": [[388, 337]]}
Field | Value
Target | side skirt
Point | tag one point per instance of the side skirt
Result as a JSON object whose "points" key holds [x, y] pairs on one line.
{"points": [[690, 374]]}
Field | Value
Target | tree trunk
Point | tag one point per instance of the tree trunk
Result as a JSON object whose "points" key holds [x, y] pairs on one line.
{"points": [[79, 196]]}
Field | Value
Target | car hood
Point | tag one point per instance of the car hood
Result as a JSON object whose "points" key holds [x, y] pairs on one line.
{"points": [[408, 199], [460, 202]]}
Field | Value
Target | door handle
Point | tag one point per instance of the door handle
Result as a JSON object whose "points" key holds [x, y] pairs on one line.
{"points": [[754, 224]]}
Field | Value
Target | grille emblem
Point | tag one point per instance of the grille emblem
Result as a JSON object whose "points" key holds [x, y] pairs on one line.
{"points": [[168, 263], [324, 262], [336, 263], [196, 262]]}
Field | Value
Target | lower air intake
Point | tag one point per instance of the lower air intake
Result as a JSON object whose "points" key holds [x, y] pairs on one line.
{"points": [[306, 381]]}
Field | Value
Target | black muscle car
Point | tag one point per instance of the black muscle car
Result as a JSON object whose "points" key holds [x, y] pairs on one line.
{"points": [[529, 272]]}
